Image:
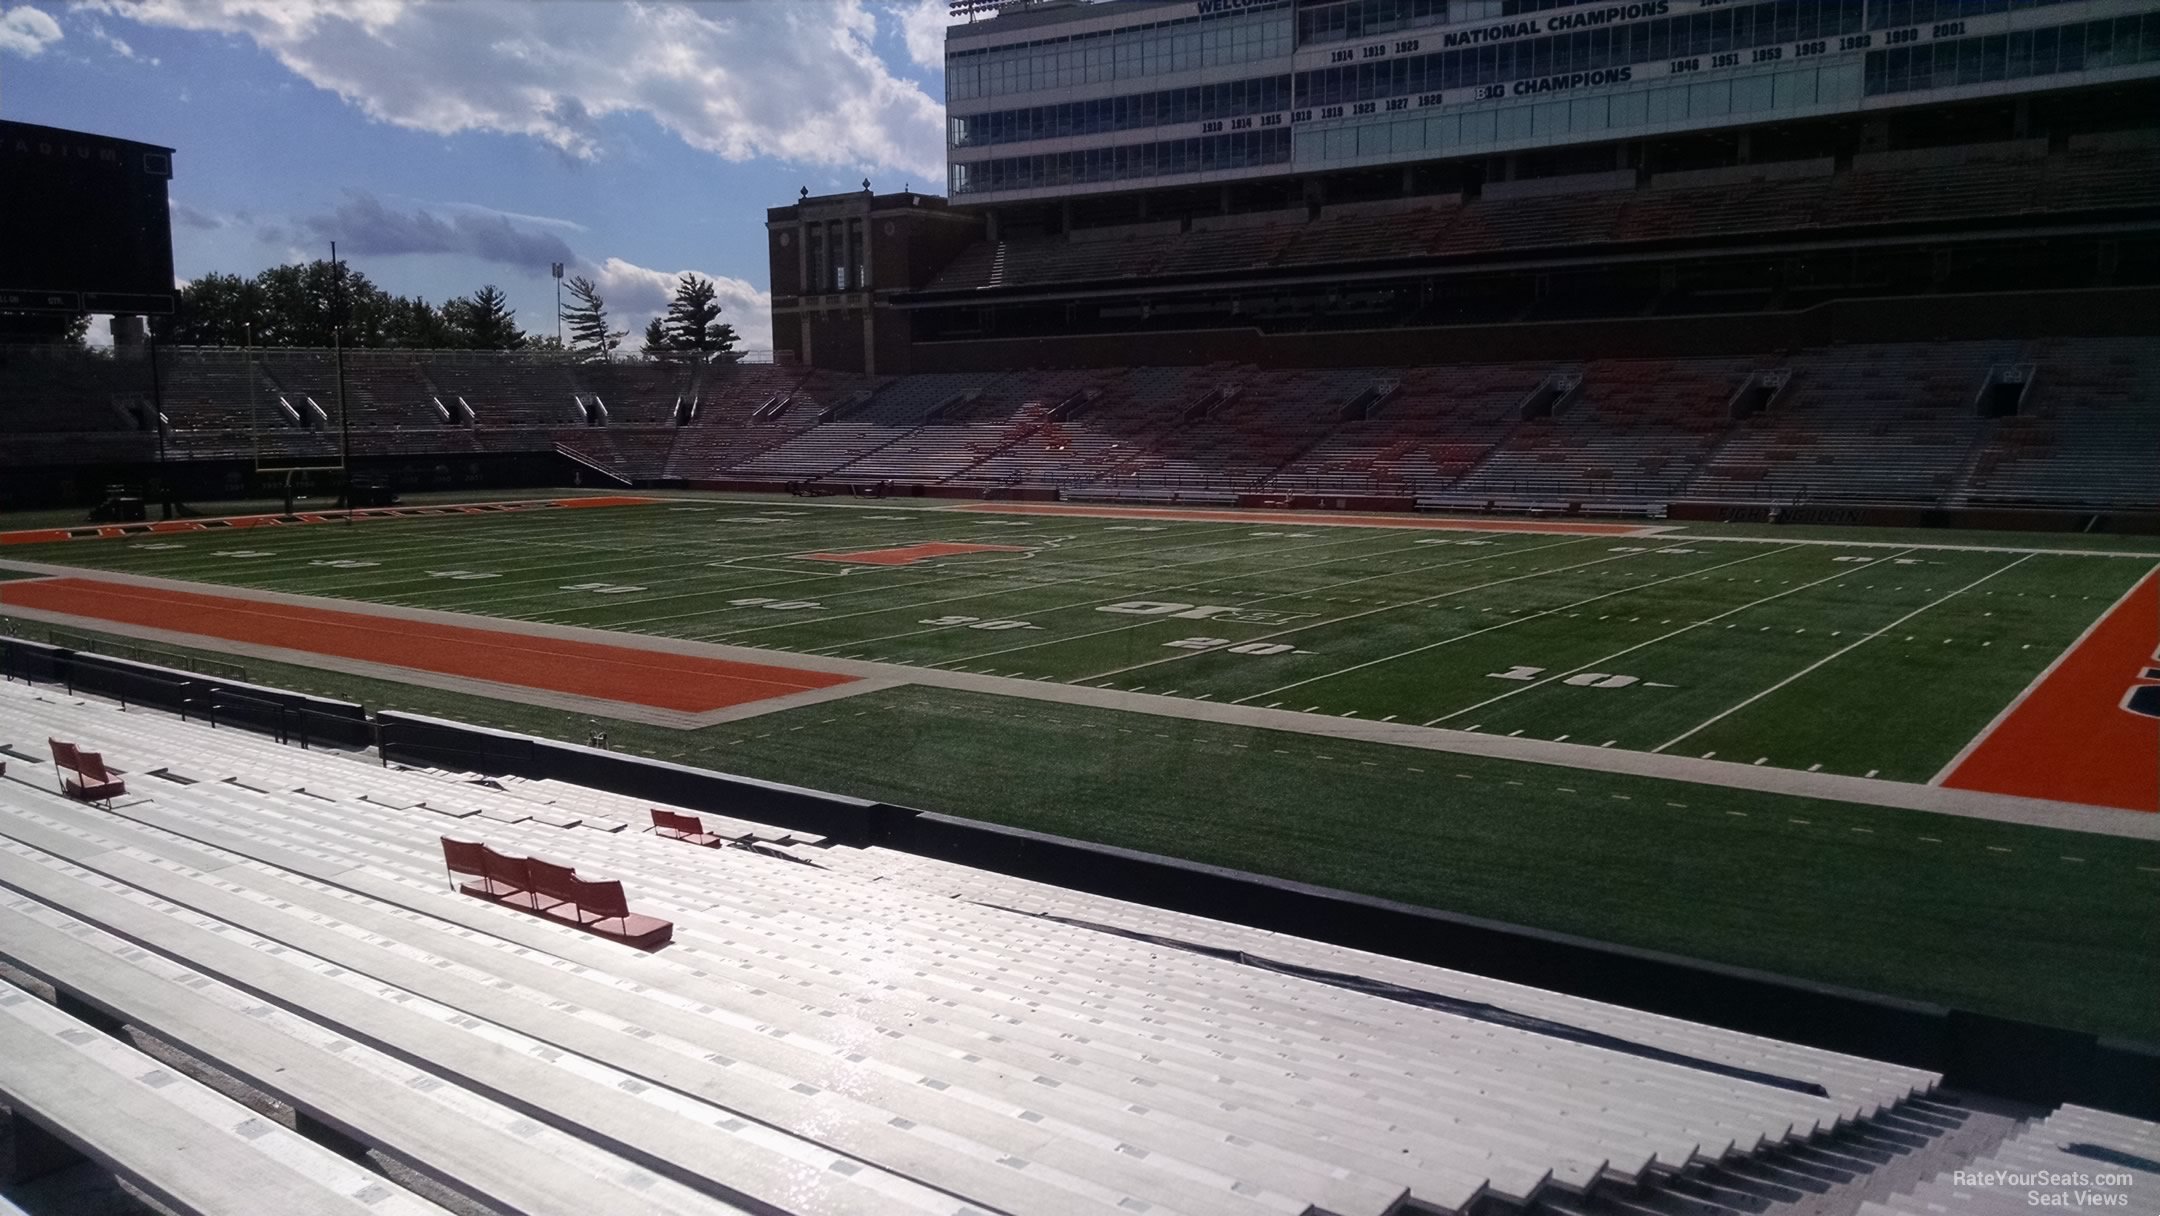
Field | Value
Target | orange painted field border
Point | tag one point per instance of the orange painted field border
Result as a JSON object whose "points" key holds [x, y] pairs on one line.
{"points": [[1307, 518], [2073, 736], [626, 674]]}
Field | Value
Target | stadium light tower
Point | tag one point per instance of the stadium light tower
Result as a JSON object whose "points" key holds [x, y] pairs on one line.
{"points": [[556, 270]]}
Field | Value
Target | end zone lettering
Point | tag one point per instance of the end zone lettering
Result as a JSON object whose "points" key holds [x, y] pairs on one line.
{"points": [[1573, 80]]}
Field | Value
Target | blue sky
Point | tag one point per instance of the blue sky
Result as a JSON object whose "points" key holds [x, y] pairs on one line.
{"points": [[448, 143]]}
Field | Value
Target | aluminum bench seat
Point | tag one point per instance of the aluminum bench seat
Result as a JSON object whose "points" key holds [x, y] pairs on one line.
{"points": [[604, 1103], [1025, 1190], [190, 1147]]}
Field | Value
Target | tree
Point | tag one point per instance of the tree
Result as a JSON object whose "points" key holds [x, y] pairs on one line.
{"points": [[659, 343], [319, 303], [693, 320], [485, 321], [414, 323], [217, 310], [587, 319]]}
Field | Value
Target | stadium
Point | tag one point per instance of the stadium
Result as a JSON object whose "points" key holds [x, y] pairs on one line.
{"points": [[1475, 607]]}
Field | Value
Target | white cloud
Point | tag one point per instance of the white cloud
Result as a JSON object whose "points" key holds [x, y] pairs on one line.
{"points": [[795, 80], [367, 227], [27, 31], [514, 217], [119, 47], [922, 25], [636, 294]]}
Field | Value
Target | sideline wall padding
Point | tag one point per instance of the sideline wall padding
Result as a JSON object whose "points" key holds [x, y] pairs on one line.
{"points": [[291, 716]]}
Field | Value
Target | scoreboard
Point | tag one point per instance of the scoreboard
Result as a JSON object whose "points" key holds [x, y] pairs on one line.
{"points": [[86, 222]]}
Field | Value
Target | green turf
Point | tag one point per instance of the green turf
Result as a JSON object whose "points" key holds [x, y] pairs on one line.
{"points": [[1886, 662], [1977, 915], [1752, 650]]}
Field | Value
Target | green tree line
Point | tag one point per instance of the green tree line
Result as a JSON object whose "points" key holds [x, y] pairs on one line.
{"points": [[321, 301]]}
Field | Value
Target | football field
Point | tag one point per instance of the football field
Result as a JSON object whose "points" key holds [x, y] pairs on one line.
{"points": [[988, 661], [1866, 658]]}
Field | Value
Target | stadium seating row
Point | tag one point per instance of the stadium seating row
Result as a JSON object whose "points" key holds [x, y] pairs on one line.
{"points": [[1997, 182], [871, 1032], [1883, 422]]}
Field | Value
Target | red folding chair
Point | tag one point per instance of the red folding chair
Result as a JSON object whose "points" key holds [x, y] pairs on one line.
{"points": [[605, 910], [92, 781], [467, 857], [63, 761], [558, 885], [687, 828], [509, 879]]}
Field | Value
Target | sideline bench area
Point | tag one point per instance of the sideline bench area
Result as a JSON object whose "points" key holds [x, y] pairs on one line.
{"points": [[873, 1034]]}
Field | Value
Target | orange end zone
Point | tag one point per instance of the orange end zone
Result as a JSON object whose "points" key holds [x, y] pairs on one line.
{"points": [[908, 555], [2075, 736], [40, 536], [1306, 518], [610, 673]]}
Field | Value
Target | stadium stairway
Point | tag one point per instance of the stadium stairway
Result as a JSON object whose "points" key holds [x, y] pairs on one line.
{"points": [[2072, 1142], [868, 1032]]}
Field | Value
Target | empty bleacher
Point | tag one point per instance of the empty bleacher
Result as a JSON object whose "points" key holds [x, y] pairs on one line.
{"points": [[1885, 422], [1632, 434], [870, 1033], [2005, 181], [1440, 423], [2085, 434]]}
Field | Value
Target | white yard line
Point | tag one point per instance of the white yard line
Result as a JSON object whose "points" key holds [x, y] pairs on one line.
{"points": [[1664, 637], [1383, 608], [1835, 655], [990, 566], [649, 569], [1305, 593], [1943, 774], [1061, 582], [1508, 624]]}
